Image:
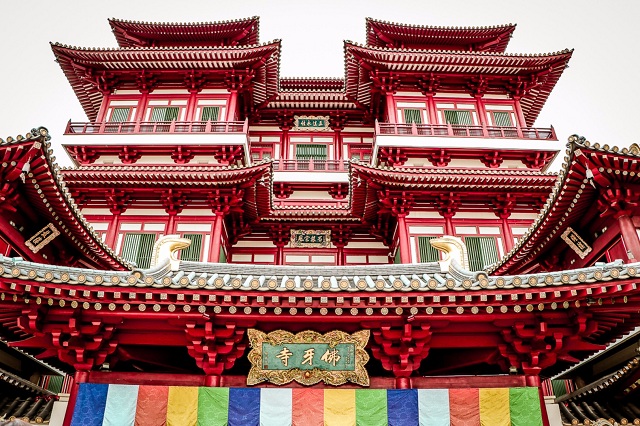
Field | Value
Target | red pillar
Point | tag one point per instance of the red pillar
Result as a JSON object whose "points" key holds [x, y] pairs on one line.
{"points": [[231, 108], [191, 107], [112, 231], [431, 109], [142, 107], [280, 252], [216, 239], [171, 224], [81, 376], [507, 234], [403, 383], [403, 236], [391, 107], [482, 116], [629, 237], [533, 380]]}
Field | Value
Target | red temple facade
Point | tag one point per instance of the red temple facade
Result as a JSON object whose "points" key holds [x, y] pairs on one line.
{"points": [[211, 197]]}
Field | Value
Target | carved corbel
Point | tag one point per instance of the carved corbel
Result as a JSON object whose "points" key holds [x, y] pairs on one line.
{"points": [[401, 349]]}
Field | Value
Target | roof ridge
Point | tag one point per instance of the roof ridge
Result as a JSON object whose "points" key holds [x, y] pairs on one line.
{"points": [[163, 48], [440, 27], [228, 21]]}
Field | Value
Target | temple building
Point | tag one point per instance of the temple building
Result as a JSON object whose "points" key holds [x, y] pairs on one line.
{"points": [[236, 247]]}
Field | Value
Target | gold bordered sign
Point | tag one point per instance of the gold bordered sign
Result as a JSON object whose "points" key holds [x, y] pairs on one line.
{"points": [[316, 123], [574, 241], [310, 238], [42, 238], [308, 357]]}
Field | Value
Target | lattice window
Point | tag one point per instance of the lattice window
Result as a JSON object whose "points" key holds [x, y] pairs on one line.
{"points": [[458, 117], [119, 114], [427, 252], [311, 152], [210, 113], [138, 248], [502, 119], [192, 253], [412, 116], [482, 251], [164, 113]]}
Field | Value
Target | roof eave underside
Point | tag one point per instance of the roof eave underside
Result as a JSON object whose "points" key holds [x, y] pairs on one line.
{"points": [[76, 229], [79, 64], [496, 37], [547, 68], [135, 34], [562, 208]]}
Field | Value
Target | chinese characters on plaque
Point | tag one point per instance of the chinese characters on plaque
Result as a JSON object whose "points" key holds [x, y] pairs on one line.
{"points": [[574, 241], [308, 357], [310, 238], [310, 122], [42, 238]]}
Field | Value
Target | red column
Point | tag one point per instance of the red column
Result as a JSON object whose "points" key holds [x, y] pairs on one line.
{"points": [[448, 224], [532, 379], [507, 234], [403, 236], [101, 117], [142, 107], [81, 376], [482, 116], [391, 107], [629, 237], [171, 224], [521, 120], [216, 240], [191, 107], [431, 109], [112, 231], [280, 252], [231, 108]]}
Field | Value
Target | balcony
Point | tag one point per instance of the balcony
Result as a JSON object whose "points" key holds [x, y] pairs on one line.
{"points": [[146, 127], [181, 140], [317, 170], [456, 130], [397, 144]]}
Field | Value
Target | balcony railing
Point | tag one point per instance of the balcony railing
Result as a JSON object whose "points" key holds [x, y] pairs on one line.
{"points": [[458, 130], [154, 127], [309, 165]]}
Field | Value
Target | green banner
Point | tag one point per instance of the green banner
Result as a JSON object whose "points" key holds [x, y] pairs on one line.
{"points": [[307, 356]]}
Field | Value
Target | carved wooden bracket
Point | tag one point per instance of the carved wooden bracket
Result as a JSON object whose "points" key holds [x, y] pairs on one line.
{"points": [[392, 156], [401, 349], [81, 344], [181, 155], [215, 348]]}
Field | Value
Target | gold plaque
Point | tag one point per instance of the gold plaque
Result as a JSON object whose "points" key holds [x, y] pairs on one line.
{"points": [[308, 357]]}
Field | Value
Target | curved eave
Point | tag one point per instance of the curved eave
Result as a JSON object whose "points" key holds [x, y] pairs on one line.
{"points": [[570, 196], [361, 60], [82, 66], [44, 184], [150, 176], [490, 39], [419, 177], [138, 34], [308, 84]]}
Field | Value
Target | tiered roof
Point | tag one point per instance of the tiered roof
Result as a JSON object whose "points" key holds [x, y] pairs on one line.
{"points": [[240, 32], [403, 36], [536, 75], [573, 198], [91, 71], [48, 195]]}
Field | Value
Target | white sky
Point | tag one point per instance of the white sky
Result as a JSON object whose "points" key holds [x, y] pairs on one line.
{"points": [[597, 96]]}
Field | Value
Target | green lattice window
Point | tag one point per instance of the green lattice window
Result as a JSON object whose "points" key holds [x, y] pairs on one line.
{"points": [[427, 252], [164, 113], [502, 119], [412, 116], [311, 152], [458, 117], [210, 113], [482, 251], [192, 253], [137, 248], [119, 114]]}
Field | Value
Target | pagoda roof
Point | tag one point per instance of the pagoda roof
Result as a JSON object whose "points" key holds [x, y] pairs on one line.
{"points": [[188, 176], [536, 75], [427, 290], [89, 70], [306, 84], [240, 32], [572, 197], [439, 178], [43, 183], [479, 39]]}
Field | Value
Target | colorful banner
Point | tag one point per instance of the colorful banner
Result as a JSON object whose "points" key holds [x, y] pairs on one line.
{"points": [[127, 405]]}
